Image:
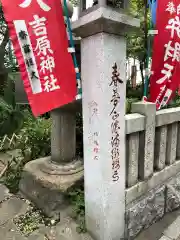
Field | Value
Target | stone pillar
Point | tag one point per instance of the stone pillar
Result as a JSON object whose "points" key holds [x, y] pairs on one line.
{"points": [[171, 143], [103, 63], [160, 147], [132, 153], [63, 136], [146, 163]]}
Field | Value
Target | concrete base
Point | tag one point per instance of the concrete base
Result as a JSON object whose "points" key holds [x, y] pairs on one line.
{"points": [[46, 184]]}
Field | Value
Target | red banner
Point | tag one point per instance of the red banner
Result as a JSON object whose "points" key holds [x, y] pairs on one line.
{"points": [[165, 77], [39, 37]]}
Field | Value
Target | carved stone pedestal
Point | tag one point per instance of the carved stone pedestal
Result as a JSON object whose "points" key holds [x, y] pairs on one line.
{"points": [[46, 181], [46, 184]]}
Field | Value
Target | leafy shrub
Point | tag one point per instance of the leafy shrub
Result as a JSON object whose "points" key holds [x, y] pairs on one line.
{"points": [[13, 175], [11, 118], [36, 135], [76, 198], [129, 102], [134, 92], [34, 142]]}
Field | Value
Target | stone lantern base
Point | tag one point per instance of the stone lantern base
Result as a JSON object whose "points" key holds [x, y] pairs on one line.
{"points": [[46, 184]]}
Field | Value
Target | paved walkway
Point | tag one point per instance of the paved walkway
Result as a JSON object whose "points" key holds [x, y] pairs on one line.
{"points": [[11, 207]]}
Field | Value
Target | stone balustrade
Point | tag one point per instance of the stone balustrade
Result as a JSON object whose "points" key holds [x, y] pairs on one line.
{"points": [[166, 144], [152, 165]]}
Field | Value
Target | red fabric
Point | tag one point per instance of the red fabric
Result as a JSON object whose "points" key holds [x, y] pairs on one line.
{"points": [[161, 93], [63, 71]]}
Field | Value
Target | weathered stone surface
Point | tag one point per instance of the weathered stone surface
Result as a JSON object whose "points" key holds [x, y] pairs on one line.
{"points": [[167, 116], [63, 131], [46, 190], [173, 231], [155, 231], [104, 194], [145, 212], [13, 236], [178, 143], [9, 232], [160, 147], [135, 122], [106, 20], [4, 192], [43, 230], [11, 208], [173, 194], [146, 161], [132, 155], [36, 236], [66, 230], [171, 143], [164, 238], [141, 188]]}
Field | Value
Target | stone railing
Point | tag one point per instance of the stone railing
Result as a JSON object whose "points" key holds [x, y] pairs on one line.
{"points": [[153, 162]]}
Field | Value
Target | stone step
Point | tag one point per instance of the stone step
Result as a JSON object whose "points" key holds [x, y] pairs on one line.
{"points": [[11, 209]]}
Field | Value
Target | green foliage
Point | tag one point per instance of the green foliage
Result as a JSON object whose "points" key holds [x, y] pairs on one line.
{"points": [[11, 118], [136, 41], [34, 142], [129, 102], [31, 221], [75, 2], [76, 197], [36, 136], [13, 175], [175, 102], [134, 92]]}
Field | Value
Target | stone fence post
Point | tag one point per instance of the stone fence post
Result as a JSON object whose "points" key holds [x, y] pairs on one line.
{"points": [[147, 138]]}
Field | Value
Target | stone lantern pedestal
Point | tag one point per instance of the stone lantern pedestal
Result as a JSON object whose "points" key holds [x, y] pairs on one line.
{"points": [[46, 181]]}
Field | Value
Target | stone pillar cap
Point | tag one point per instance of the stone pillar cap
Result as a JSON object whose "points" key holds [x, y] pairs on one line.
{"points": [[104, 19]]}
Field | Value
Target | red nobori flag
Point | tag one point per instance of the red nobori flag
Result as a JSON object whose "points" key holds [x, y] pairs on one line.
{"points": [[39, 37], [165, 77]]}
